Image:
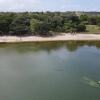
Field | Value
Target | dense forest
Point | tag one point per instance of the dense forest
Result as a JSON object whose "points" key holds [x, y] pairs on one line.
{"points": [[46, 23]]}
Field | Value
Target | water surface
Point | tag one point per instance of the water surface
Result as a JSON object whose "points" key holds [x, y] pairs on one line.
{"points": [[49, 71]]}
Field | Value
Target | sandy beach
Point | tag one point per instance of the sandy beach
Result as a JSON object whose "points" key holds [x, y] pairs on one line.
{"points": [[63, 37]]}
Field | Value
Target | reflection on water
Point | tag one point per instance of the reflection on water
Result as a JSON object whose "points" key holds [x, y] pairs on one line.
{"points": [[49, 46], [50, 71]]}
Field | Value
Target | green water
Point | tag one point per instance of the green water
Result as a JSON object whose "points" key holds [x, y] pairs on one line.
{"points": [[50, 71]]}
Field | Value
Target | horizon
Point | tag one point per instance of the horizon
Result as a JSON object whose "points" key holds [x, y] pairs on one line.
{"points": [[48, 11], [49, 5]]}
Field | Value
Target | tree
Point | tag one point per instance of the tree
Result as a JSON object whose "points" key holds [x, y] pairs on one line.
{"points": [[56, 23], [92, 20], [33, 25], [81, 27], [5, 21], [43, 28], [20, 26], [43, 23], [98, 20], [84, 19]]}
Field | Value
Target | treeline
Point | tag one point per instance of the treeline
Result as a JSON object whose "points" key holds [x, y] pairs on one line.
{"points": [[45, 23]]}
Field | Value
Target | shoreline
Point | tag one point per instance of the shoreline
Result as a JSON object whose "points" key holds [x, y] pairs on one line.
{"points": [[63, 37]]}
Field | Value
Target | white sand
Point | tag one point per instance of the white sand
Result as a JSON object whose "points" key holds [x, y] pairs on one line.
{"points": [[63, 37]]}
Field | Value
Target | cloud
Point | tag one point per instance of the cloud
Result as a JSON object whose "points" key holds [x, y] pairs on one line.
{"points": [[31, 5], [18, 5], [49, 5]]}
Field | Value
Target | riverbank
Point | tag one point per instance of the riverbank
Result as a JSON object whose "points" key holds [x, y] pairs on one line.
{"points": [[63, 37]]}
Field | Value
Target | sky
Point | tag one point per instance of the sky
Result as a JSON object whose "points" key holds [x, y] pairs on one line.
{"points": [[49, 5]]}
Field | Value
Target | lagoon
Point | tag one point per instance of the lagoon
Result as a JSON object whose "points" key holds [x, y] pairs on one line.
{"points": [[50, 71]]}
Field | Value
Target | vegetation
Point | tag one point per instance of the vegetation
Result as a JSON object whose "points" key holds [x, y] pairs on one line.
{"points": [[47, 23], [93, 29]]}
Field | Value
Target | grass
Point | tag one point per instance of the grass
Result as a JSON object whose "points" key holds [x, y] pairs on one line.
{"points": [[93, 29]]}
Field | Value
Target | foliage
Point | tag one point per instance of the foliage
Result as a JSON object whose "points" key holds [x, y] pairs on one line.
{"points": [[20, 25], [43, 23]]}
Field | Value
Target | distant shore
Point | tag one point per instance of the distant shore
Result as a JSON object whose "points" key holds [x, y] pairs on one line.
{"points": [[63, 37]]}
